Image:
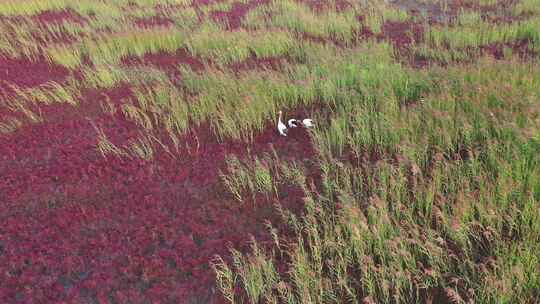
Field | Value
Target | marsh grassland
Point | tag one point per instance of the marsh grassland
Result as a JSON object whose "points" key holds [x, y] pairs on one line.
{"points": [[140, 162]]}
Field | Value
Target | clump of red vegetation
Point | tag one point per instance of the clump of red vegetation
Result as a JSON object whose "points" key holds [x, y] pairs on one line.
{"points": [[320, 5], [90, 107], [168, 62], [271, 63], [520, 47], [81, 227], [58, 16], [233, 18], [342, 5], [402, 34], [26, 73]]}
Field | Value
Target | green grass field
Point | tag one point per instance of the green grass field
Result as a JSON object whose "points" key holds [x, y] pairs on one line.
{"points": [[424, 183]]}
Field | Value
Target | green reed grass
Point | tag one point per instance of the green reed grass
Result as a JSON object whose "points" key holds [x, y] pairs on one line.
{"points": [[110, 49], [225, 47], [526, 7], [377, 14], [474, 32], [185, 18], [17, 40], [249, 178], [398, 219], [30, 6], [301, 19], [223, 6]]}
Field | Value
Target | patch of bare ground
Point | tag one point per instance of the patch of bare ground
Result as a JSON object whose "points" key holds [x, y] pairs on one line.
{"points": [[233, 18], [59, 16], [154, 21], [26, 73]]}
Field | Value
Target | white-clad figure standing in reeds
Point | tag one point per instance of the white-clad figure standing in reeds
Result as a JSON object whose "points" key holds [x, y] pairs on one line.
{"points": [[282, 128]]}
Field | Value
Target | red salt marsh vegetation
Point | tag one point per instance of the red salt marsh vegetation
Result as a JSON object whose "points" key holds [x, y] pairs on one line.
{"points": [[25, 73], [58, 16], [140, 160], [83, 227], [233, 18]]}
